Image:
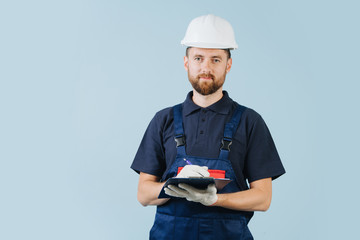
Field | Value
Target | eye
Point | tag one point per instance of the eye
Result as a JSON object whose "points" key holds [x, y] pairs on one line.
{"points": [[216, 60], [197, 59]]}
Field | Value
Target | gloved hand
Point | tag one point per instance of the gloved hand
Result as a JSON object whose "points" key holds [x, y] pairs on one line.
{"points": [[206, 197], [193, 171]]}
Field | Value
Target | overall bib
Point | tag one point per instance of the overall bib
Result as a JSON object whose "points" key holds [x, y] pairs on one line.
{"points": [[181, 219]]}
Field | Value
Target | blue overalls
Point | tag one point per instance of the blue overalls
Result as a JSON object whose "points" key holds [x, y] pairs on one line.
{"points": [[181, 219]]}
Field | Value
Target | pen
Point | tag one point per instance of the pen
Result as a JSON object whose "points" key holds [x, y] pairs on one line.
{"points": [[189, 163]]}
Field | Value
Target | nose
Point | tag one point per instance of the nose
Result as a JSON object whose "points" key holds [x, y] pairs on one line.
{"points": [[205, 67]]}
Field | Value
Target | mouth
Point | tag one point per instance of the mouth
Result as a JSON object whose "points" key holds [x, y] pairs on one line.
{"points": [[206, 77]]}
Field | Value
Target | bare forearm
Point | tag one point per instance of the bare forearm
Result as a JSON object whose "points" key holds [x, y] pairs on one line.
{"points": [[249, 200], [257, 198], [148, 190]]}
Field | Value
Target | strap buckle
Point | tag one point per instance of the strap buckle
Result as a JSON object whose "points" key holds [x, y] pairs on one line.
{"points": [[180, 141], [225, 144]]}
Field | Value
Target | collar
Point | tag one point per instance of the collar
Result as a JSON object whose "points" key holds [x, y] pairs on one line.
{"points": [[223, 106]]}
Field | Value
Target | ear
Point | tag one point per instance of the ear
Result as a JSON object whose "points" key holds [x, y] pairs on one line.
{"points": [[186, 63], [228, 65]]}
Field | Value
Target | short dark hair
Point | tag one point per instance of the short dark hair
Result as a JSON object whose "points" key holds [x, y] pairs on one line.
{"points": [[226, 50]]}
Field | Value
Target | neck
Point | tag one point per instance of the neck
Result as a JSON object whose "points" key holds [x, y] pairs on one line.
{"points": [[205, 101]]}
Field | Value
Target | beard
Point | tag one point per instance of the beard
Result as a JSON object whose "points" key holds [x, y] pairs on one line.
{"points": [[206, 87]]}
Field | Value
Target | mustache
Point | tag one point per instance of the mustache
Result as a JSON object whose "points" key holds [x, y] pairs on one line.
{"points": [[206, 75]]}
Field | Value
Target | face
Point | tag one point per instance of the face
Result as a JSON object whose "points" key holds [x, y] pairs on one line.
{"points": [[207, 69]]}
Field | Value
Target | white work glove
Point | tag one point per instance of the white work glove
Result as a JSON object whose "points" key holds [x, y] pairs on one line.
{"points": [[206, 197], [193, 171]]}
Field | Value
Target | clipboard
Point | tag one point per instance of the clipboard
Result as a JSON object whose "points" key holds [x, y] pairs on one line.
{"points": [[200, 183]]}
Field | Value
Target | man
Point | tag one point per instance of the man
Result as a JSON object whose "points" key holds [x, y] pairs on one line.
{"points": [[207, 135]]}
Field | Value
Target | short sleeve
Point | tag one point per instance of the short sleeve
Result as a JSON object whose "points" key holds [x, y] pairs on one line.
{"points": [[150, 155], [262, 159]]}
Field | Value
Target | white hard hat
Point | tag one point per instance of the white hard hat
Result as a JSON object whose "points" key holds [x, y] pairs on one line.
{"points": [[210, 31]]}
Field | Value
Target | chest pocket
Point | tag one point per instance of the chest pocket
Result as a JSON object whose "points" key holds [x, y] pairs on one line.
{"points": [[213, 172]]}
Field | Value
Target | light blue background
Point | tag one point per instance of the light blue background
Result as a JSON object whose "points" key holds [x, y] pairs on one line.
{"points": [[80, 81]]}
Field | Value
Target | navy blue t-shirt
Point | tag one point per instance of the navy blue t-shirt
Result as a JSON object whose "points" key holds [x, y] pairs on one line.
{"points": [[253, 154]]}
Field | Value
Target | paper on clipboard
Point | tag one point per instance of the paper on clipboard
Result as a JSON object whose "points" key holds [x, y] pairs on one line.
{"points": [[200, 183]]}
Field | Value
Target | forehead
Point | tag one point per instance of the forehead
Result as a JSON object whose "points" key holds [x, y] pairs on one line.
{"points": [[207, 52]]}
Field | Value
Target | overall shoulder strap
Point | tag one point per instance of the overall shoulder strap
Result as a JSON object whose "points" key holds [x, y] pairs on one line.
{"points": [[179, 130], [229, 131]]}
